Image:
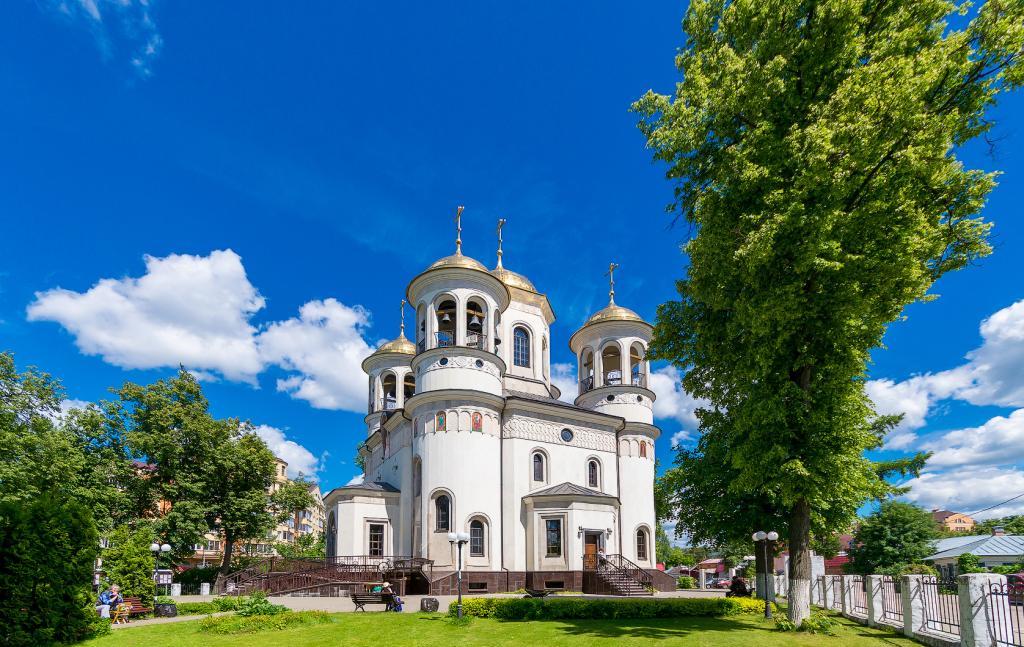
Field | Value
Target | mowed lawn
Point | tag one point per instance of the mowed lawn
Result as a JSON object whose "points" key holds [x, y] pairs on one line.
{"points": [[376, 629]]}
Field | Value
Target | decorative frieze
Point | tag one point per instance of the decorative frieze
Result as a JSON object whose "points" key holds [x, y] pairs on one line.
{"points": [[546, 431]]}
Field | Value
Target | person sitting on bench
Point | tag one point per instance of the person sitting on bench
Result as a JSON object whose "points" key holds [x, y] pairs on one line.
{"points": [[109, 599], [738, 588]]}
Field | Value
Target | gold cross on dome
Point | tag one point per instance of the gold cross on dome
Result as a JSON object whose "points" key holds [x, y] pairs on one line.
{"points": [[611, 281]]}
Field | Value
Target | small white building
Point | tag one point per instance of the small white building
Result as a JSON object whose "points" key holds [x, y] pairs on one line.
{"points": [[466, 433], [997, 549]]}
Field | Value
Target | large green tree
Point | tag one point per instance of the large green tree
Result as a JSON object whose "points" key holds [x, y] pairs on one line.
{"points": [[291, 499], [897, 534], [812, 144], [129, 563], [215, 474]]}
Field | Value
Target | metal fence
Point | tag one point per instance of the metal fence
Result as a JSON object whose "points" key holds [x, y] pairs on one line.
{"points": [[941, 605], [1006, 613], [892, 600], [858, 597]]}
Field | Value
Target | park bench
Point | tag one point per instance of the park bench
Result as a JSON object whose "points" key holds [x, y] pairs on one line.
{"points": [[132, 606], [361, 599]]}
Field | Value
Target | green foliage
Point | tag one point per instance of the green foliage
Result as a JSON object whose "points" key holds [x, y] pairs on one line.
{"points": [[311, 545], [898, 570], [817, 623], [129, 563], [1012, 525], [75, 455], [686, 582], [214, 472], [47, 549], [827, 545], [894, 535], [163, 599], [258, 605], [969, 563], [813, 150], [580, 608], [197, 575], [291, 498], [257, 623], [213, 606]]}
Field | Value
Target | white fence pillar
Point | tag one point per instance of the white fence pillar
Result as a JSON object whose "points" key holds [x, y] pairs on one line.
{"points": [[204, 588], [913, 605], [978, 614], [828, 591], [873, 598], [846, 585], [175, 589]]}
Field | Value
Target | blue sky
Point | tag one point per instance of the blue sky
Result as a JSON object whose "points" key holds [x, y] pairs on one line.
{"points": [[249, 192]]}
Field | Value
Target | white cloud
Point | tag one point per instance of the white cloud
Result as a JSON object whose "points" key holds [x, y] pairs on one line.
{"points": [[355, 480], [324, 346], [680, 437], [190, 310], [991, 376], [969, 489], [300, 460], [673, 402], [113, 23], [564, 377], [999, 441]]}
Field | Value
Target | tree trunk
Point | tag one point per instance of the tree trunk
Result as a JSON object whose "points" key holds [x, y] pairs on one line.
{"points": [[799, 590], [225, 562]]}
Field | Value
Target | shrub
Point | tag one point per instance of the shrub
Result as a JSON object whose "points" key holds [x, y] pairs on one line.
{"points": [[581, 608], [47, 550], [686, 582], [129, 563], [197, 575], [259, 605], [969, 563], [238, 624], [908, 569], [817, 623], [196, 608]]}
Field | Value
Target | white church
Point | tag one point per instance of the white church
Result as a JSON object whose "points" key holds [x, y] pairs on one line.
{"points": [[466, 433]]}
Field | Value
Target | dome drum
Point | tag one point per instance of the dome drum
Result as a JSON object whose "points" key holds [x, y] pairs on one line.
{"points": [[458, 368]]}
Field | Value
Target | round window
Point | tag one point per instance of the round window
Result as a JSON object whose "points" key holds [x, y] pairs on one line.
{"points": [[639, 398], [479, 363], [610, 398], [443, 361], [567, 435]]}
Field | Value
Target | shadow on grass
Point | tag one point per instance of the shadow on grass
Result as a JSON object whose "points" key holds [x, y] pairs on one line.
{"points": [[658, 628]]}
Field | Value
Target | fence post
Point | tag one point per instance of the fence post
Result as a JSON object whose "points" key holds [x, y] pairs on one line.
{"points": [[873, 598], [975, 612], [845, 597], [913, 605]]}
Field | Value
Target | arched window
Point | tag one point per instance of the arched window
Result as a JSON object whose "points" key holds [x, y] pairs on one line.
{"points": [[446, 313], [476, 324], [440, 424], [643, 449], [332, 535], [476, 538], [538, 467], [521, 347], [409, 385], [593, 474], [612, 365], [443, 506], [638, 376], [388, 382], [641, 545]]}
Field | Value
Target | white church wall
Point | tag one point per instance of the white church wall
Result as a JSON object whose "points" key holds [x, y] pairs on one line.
{"points": [[637, 496], [531, 318]]}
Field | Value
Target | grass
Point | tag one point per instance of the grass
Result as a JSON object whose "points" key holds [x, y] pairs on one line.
{"points": [[430, 630]]}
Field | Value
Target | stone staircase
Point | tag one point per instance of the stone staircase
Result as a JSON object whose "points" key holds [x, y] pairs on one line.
{"points": [[620, 581]]}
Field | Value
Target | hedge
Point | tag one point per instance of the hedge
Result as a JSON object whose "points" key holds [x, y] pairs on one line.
{"points": [[581, 608]]}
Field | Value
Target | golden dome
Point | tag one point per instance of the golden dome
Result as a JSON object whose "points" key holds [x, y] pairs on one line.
{"points": [[457, 260], [513, 279], [399, 345], [614, 312]]}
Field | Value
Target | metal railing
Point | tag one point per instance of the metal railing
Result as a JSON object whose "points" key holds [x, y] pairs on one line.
{"points": [[319, 570], [476, 340], [858, 595], [444, 339], [387, 404], [613, 378], [1006, 614], [941, 605], [586, 384], [892, 600], [639, 379]]}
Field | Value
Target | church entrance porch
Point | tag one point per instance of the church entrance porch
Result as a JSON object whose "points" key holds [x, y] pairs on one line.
{"points": [[593, 542]]}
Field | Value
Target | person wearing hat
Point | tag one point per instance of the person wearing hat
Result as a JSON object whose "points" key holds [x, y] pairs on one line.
{"points": [[108, 599], [390, 593]]}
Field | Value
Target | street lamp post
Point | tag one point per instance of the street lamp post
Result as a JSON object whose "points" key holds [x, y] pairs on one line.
{"points": [[459, 539], [156, 550], [762, 537]]}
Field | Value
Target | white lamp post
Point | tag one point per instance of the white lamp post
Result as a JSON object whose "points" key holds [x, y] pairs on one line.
{"points": [[763, 538], [459, 539], [156, 549]]}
